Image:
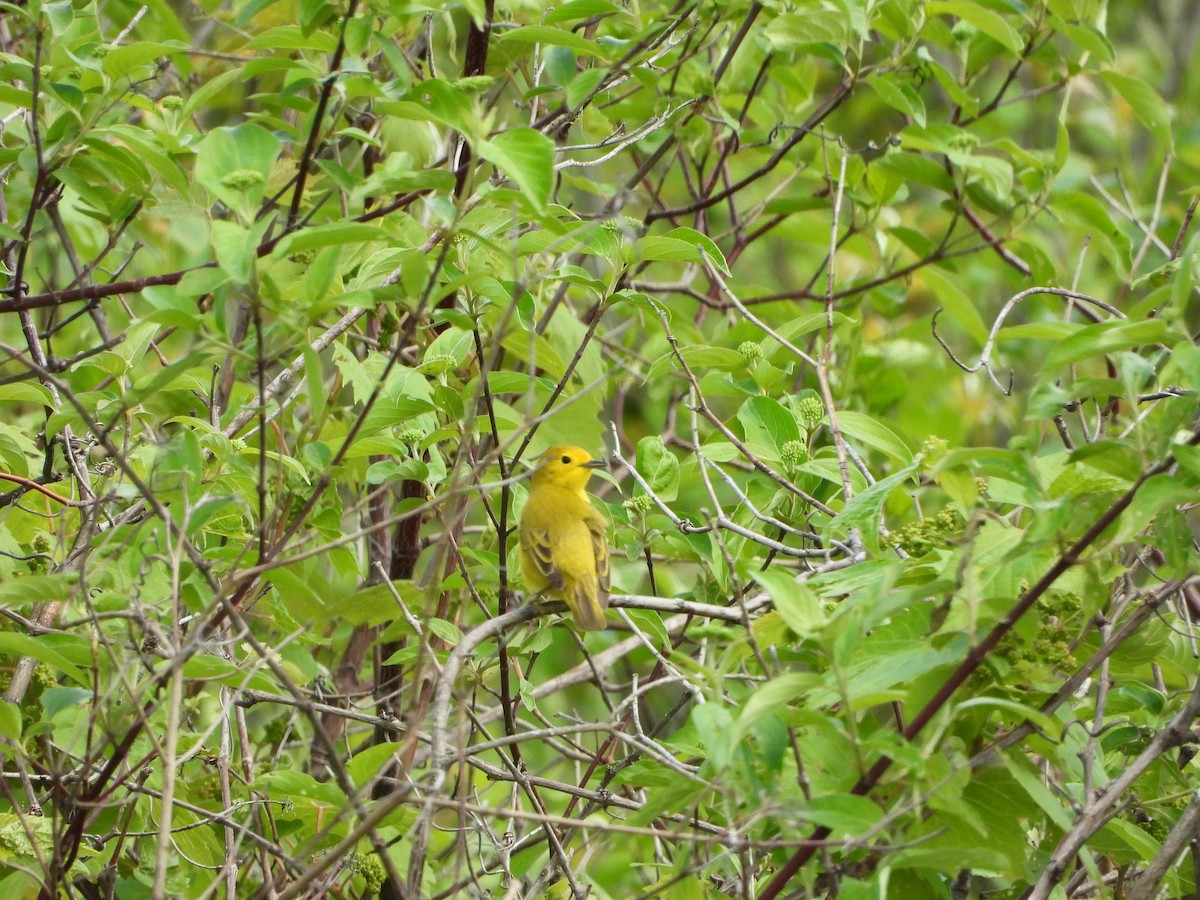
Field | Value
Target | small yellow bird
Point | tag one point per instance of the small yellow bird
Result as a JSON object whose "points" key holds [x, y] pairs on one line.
{"points": [[562, 536]]}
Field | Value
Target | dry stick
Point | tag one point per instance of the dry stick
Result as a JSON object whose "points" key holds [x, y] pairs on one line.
{"points": [[986, 354], [1186, 224], [440, 757], [1097, 813], [822, 368], [978, 654], [1145, 886]]}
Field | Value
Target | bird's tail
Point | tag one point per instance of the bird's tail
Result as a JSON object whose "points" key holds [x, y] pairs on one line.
{"points": [[587, 602]]}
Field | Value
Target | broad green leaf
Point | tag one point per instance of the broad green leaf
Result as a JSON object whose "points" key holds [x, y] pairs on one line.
{"points": [[205, 668], [956, 302], [659, 467], [773, 698], [10, 720], [714, 723], [580, 9], [124, 60], [1106, 337], [990, 23], [327, 236], [815, 25], [708, 247], [527, 157], [768, 426], [900, 96], [661, 247], [30, 589], [874, 433], [1087, 38], [846, 815], [25, 392], [795, 602], [865, 511], [447, 631], [1147, 104], [369, 762], [558, 37], [292, 37], [698, 359], [18, 645], [234, 164]]}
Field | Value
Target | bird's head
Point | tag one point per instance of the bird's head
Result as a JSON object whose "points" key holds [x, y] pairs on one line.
{"points": [[565, 466]]}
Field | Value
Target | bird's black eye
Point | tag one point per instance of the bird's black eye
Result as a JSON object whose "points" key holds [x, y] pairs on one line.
{"points": [[567, 460]]}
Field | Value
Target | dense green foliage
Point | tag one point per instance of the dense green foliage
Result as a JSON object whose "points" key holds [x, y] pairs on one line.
{"points": [[884, 310]]}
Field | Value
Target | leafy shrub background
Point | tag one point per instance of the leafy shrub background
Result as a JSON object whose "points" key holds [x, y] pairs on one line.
{"points": [[884, 310]]}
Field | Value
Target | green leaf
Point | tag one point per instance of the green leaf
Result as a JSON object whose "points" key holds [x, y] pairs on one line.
{"points": [[25, 392], [527, 157], [30, 589], [990, 23], [698, 358], [1087, 38], [327, 236], [234, 250], [235, 165], [815, 25], [581, 9], [557, 37], [795, 602], [661, 247], [767, 426], [899, 96], [300, 592], [123, 60], [205, 668], [447, 631], [293, 37], [956, 302], [10, 720], [708, 247], [715, 725], [846, 815], [874, 433], [865, 511], [1103, 338], [369, 762], [773, 698], [17, 645], [583, 85], [1147, 104], [659, 467]]}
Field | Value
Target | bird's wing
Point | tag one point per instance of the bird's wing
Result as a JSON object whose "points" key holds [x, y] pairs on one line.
{"points": [[539, 554], [598, 528]]}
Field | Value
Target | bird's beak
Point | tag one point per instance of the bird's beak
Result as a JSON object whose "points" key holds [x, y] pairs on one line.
{"points": [[596, 464]]}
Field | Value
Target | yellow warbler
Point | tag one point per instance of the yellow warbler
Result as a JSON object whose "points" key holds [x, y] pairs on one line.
{"points": [[562, 536]]}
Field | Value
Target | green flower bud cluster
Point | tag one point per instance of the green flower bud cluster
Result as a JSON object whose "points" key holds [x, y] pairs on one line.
{"points": [[750, 351], [370, 867], [794, 453], [411, 435], [1034, 661], [640, 503], [811, 412], [933, 532], [241, 179]]}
